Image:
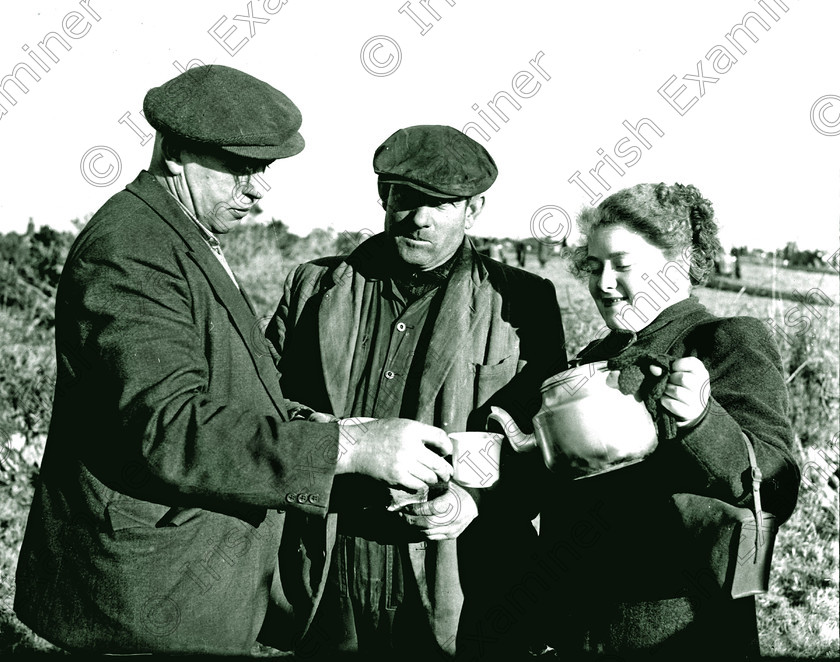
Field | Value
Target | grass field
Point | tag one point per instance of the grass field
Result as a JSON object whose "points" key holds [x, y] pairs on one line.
{"points": [[798, 617]]}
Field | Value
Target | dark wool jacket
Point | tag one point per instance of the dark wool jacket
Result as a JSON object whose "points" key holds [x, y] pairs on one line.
{"points": [[629, 551], [155, 526], [497, 335]]}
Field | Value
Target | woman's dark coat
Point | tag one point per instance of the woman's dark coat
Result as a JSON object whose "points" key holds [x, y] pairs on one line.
{"points": [[630, 572]]}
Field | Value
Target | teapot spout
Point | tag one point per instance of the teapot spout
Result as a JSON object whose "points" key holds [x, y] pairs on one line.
{"points": [[519, 440]]}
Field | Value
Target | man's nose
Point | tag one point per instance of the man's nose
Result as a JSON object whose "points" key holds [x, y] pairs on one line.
{"points": [[423, 216], [246, 188]]}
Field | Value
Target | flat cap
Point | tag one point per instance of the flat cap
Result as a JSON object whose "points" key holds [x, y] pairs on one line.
{"points": [[224, 108], [435, 159]]}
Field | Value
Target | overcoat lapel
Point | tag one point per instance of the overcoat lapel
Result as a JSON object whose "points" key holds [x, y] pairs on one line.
{"points": [[244, 320], [247, 299], [465, 297], [341, 325]]}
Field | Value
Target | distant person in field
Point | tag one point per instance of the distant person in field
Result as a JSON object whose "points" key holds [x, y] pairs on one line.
{"points": [[416, 323], [521, 254], [650, 579], [174, 461], [497, 252], [543, 252]]}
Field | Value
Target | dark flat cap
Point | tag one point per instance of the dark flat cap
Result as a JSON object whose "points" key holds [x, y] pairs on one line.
{"points": [[224, 108], [435, 159]]}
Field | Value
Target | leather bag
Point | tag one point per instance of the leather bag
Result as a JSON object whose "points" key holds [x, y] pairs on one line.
{"points": [[735, 545]]}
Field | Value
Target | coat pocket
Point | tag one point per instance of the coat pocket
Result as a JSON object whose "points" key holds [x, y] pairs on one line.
{"points": [[490, 378], [130, 513]]}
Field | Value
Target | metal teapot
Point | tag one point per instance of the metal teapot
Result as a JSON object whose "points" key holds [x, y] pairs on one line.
{"points": [[585, 423]]}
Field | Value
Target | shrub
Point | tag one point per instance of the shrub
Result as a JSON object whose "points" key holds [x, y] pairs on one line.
{"points": [[31, 267]]}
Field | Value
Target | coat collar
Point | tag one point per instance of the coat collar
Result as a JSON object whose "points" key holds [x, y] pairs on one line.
{"points": [[147, 188], [668, 325], [150, 191], [679, 315], [372, 259]]}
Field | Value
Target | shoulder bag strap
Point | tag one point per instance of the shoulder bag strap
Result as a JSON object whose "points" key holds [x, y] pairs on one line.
{"points": [[755, 472]]}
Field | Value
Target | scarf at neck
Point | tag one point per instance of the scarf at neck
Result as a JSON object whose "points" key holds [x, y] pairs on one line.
{"points": [[413, 284]]}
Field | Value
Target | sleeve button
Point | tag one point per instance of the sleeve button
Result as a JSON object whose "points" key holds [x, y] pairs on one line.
{"points": [[291, 498], [301, 498]]}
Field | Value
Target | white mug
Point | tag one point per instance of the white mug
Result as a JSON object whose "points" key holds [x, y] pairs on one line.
{"points": [[475, 458]]}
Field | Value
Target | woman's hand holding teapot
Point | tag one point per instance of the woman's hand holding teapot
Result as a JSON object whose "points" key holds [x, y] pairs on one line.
{"points": [[687, 394]]}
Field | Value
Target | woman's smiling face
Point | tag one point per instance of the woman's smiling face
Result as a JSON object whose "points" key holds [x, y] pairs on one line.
{"points": [[621, 264]]}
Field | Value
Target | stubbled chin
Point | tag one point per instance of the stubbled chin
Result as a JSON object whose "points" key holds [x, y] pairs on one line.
{"points": [[410, 252]]}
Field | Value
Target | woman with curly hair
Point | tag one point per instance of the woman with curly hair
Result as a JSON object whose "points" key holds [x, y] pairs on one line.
{"points": [[635, 553]]}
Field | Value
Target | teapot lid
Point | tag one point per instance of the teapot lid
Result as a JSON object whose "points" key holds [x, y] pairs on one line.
{"points": [[574, 383]]}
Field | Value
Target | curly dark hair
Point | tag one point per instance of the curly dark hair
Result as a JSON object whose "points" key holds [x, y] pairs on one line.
{"points": [[677, 219]]}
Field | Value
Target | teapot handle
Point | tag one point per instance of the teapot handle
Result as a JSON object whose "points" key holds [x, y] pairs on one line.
{"points": [[520, 441]]}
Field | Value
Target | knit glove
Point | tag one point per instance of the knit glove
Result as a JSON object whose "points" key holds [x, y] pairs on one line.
{"points": [[635, 378]]}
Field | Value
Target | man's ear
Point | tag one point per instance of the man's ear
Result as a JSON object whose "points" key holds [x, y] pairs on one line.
{"points": [[474, 206], [172, 158]]}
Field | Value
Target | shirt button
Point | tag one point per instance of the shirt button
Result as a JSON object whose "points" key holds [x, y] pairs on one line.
{"points": [[389, 374], [301, 498], [400, 327]]}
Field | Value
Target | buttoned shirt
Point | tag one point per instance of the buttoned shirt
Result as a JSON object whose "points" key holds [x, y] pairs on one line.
{"points": [[393, 338], [398, 330], [399, 333]]}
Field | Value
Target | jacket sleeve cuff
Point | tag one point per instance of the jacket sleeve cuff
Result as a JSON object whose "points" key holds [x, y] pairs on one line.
{"points": [[309, 479]]}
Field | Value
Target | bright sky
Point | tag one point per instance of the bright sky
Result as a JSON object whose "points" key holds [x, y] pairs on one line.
{"points": [[761, 141]]}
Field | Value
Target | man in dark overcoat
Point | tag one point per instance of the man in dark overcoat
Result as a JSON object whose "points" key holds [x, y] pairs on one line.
{"points": [[416, 323], [173, 457]]}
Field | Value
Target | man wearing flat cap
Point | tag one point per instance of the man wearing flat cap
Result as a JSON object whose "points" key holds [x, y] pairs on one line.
{"points": [[173, 458], [415, 323]]}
